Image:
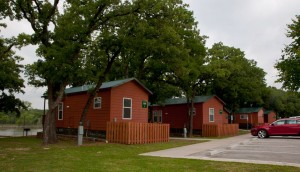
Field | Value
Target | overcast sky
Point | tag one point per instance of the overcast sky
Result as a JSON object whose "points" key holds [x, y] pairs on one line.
{"points": [[257, 27]]}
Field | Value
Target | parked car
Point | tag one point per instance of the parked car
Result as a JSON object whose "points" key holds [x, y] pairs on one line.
{"points": [[281, 127], [294, 116]]}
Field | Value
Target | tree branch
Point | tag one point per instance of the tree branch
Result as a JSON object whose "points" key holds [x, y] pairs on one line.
{"points": [[7, 50]]}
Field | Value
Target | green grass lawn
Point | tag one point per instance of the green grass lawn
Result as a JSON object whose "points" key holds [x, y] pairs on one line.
{"points": [[27, 154]]}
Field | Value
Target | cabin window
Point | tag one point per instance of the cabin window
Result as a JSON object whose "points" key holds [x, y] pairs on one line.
{"points": [[211, 114], [244, 116], [60, 113], [157, 116], [97, 102], [127, 108]]}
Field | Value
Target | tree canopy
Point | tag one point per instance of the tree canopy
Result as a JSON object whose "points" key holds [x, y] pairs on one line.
{"points": [[11, 81], [235, 79], [284, 103], [289, 65], [61, 37]]}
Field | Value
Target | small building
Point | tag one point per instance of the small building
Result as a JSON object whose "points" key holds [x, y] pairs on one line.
{"points": [[248, 117], [269, 116], [121, 100], [207, 110]]}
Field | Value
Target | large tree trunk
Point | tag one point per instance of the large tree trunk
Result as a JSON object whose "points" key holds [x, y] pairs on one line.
{"points": [[191, 109], [49, 136], [49, 133]]}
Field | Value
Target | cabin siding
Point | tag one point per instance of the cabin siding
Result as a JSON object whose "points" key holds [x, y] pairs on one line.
{"points": [[260, 116], [198, 117], [73, 107], [177, 114], [137, 94], [270, 117], [254, 118], [251, 118], [99, 117], [217, 105], [111, 107]]}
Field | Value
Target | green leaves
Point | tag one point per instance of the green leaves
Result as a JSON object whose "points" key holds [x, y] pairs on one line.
{"points": [[10, 68], [284, 103], [235, 79], [289, 65], [10, 80]]}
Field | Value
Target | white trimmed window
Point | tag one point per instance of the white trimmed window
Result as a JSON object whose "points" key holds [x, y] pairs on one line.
{"points": [[244, 116], [127, 108], [97, 102], [60, 113], [211, 114], [157, 116]]}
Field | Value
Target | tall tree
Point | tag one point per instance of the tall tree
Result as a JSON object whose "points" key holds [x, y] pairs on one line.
{"points": [[11, 81], [162, 33], [289, 65], [240, 82], [164, 50], [61, 37], [187, 74]]}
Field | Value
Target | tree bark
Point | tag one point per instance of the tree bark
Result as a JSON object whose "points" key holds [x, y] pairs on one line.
{"points": [[191, 108], [49, 133]]}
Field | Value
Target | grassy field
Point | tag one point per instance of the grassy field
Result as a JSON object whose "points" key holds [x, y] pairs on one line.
{"points": [[27, 154]]}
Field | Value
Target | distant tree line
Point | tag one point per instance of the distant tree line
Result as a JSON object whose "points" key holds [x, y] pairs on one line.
{"points": [[28, 116]]}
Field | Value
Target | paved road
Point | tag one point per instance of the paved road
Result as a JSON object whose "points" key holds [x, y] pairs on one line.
{"points": [[244, 148]]}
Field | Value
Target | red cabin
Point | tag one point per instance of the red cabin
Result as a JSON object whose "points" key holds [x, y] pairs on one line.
{"points": [[269, 116], [121, 100], [248, 117], [207, 110]]}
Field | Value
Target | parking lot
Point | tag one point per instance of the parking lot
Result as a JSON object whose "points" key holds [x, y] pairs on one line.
{"points": [[273, 150], [243, 148]]}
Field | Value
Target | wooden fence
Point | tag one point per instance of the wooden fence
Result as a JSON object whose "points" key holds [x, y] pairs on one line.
{"points": [[219, 130], [137, 133]]}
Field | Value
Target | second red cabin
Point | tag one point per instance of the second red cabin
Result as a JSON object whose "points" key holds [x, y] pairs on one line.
{"points": [[207, 110]]}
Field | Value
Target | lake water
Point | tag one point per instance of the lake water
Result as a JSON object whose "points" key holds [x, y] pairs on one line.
{"points": [[17, 132]]}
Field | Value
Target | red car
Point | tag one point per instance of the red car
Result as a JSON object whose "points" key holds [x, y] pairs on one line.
{"points": [[281, 127]]}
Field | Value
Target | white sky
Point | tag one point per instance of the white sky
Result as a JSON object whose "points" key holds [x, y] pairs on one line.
{"points": [[257, 27]]}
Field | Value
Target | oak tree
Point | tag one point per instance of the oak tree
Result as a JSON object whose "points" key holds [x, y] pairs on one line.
{"points": [[11, 81], [289, 65], [61, 30], [236, 80]]}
